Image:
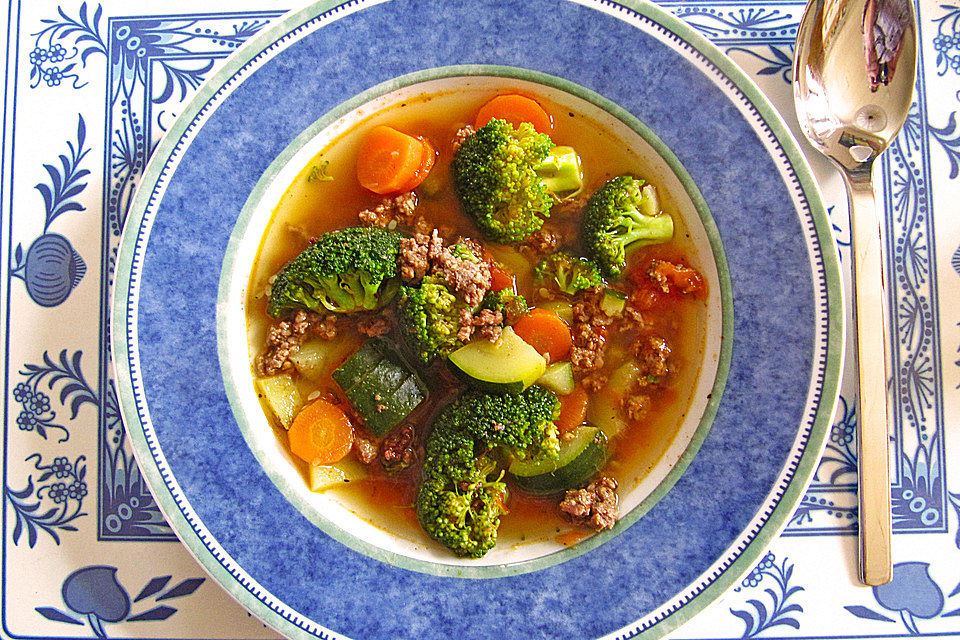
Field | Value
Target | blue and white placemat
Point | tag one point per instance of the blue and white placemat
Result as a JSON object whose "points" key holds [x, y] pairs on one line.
{"points": [[89, 88]]}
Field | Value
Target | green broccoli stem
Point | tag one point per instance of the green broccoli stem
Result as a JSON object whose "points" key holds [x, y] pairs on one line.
{"points": [[561, 172], [639, 230]]}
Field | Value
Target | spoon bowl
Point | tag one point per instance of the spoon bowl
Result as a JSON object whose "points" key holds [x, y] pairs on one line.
{"points": [[854, 73]]}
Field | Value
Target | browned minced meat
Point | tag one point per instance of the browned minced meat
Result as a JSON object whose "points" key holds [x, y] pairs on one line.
{"points": [[635, 405], [365, 447], [590, 327], [670, 276], [594, 381], [487, 322], [397, 450], [543, 241], [461, 135], [285, 337], [595, 506], [423, 255], [652, 354], [417, 254], [396, 210], [631, 319], [374, 324]]}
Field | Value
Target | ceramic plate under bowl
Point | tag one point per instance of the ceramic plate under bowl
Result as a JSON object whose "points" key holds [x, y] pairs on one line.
{"points": [[183, 246]]}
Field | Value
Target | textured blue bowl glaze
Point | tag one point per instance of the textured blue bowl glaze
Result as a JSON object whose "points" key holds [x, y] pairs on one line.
{"points": [[786, 341]]}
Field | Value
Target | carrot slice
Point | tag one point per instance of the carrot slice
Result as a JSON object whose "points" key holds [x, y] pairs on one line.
{"points": [[546, 332], [429, 157], [573, 410], [321, 433], [515, 109], [500, 278], [388, 160]]}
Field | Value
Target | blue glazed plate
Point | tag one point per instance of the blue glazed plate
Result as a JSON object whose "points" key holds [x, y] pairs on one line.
{"points": [[779, 349]]}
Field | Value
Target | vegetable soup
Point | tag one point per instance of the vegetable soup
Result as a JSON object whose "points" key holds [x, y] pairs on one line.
{"points": [[478, 317]]}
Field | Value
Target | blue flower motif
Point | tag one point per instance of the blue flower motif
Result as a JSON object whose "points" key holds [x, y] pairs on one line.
{"points": [[77, 490], [912, 593], [57, 53], [58, 492], [39, 403], [53, 76], [955, 63], [842, 434], [767, 562], [61, 467], [22, 392], [26, 421], [38, 55]]}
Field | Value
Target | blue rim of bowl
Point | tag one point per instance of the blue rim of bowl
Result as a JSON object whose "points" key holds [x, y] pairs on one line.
{"points": [[736, 560], [255, 201]]}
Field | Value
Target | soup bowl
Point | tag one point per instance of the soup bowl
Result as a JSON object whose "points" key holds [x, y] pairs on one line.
{"points": [[347, 518]]}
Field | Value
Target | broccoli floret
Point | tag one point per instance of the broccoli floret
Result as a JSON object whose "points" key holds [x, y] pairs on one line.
{"points": [[347, 270], [519, 423], [429, 319], [512, 305], [622, 214], [506, 178], [461, 499], [458, 504], [568, 273]]}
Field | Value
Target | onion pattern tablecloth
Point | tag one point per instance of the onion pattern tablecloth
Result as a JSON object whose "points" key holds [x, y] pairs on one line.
{"points": [[89, 88]]}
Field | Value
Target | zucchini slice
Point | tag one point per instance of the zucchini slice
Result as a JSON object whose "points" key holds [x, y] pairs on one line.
{"points": [[613, 302], [605, 409], [282, 396], [580, 459], [558, 378], [359, 364], [508, 365], [317, 358], [381, 387]]}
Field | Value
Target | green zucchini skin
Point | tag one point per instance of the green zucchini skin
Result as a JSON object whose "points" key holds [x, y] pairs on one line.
{"points": [[382, 388], [509, 365], [580, 460]]}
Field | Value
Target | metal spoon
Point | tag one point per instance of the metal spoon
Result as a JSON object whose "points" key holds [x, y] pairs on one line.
{"points": [[854, 73]]}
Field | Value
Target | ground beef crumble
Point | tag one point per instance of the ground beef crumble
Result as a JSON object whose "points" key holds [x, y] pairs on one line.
{"points": [[652, 354], [462, 134], [397, 450], [488, 323], [285, 337], [391, 212], [365, 447], [423, 255], [375, 324], [594, 381], [596, 506], [635, 405], [589, 331], [543, 241]]}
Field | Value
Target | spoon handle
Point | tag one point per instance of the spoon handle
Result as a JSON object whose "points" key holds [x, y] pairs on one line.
{"points": [[873, 435]]}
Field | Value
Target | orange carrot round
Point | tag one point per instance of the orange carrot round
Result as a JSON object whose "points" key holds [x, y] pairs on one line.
{"points": [[546, 332], [428, 158], [389, 160], [573, 410], [515, 109], [321, 433]]}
